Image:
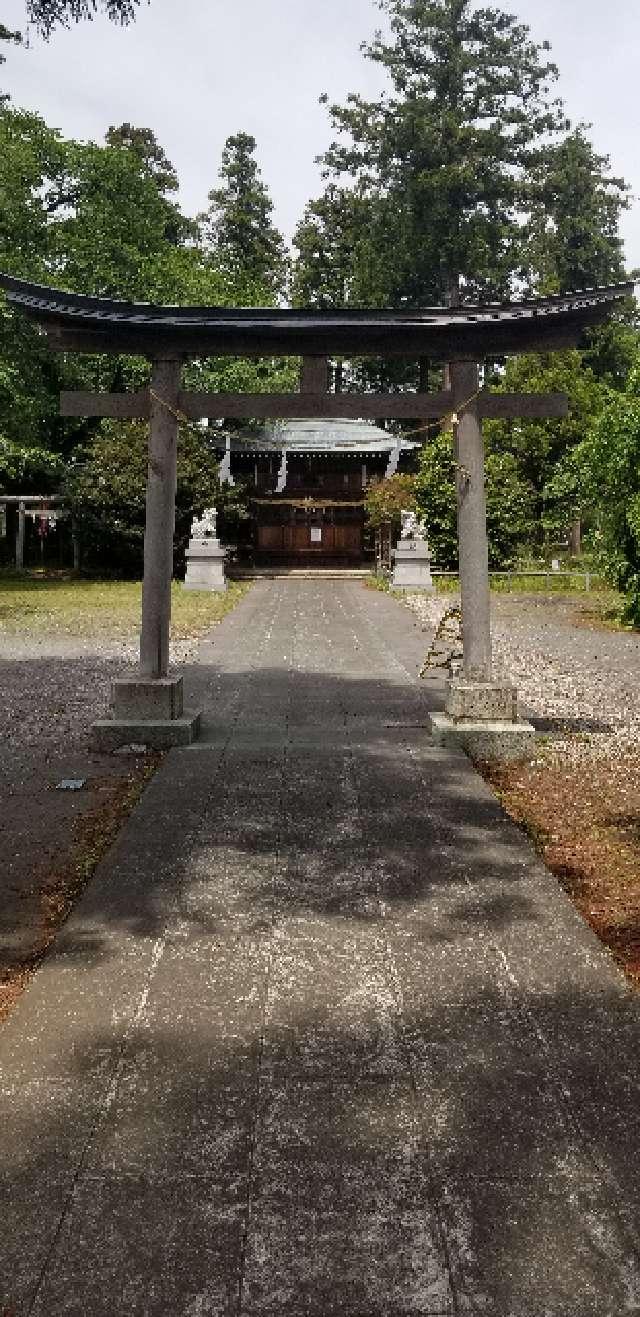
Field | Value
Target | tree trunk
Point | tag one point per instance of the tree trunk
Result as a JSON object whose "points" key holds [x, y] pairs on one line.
{"points": [[575, 538]]}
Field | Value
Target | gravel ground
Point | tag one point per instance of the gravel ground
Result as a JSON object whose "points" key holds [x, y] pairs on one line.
{"points": [[53, 688], [572, 677]]}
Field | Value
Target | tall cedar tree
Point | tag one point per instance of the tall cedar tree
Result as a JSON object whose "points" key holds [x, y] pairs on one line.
{"points": [[238, 225], [157, 166], [574, 219], [323, 274], [144, 143], [445, 156]]}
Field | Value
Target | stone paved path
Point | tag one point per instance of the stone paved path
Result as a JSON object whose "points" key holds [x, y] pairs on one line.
{"points": [[322, 1037]]}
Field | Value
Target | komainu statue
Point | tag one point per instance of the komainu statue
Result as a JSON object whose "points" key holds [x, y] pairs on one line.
{"points": [[413, 527], [207, 527]]}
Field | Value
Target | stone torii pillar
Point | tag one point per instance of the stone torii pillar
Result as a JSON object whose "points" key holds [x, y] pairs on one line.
{"points": [[160, 518], [473, 549], [148, 707], [481, 714]]}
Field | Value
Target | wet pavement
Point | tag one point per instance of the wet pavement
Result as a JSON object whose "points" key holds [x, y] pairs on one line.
{"points": [[322, 1036]]}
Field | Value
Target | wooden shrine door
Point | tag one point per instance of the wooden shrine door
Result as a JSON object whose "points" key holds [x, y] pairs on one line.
{"points": [[310, 534]]}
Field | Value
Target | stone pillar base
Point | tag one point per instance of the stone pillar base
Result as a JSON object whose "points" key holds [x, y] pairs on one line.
{"points": [[412, 566], [482, 719], [147, 697], [477, 701], [146, 711], [491, 741], [205, 566]]}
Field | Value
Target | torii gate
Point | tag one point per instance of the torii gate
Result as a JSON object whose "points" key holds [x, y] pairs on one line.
{"points": [[149, 706]]}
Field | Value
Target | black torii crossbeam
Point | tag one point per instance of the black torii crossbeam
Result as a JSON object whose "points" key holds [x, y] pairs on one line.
{"points": [[149, 706]]}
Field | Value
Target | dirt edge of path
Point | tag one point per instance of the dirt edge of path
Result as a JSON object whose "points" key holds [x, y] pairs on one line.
{"points": [[57, 887], [585, 825]]}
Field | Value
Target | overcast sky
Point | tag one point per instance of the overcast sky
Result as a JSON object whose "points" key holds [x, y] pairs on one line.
{"points": [[200, 70]]}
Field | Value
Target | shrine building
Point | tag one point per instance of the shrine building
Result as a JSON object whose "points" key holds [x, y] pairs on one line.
{"points": [[307, 482]]}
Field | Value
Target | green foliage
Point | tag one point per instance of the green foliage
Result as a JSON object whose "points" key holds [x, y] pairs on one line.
{"points": [[144, 144], [547, 453], [510, 504], [444, 158], [106, 487], [386, 500], [611, 349], [149, 154], [238, 228], [574, 239], [29, 376], [337, 260], [95, 218], [436, 498], [540, 448], [510, 509], [27, 470], [609, 464], [116, 239], [464, 171], [85, 217], [34, 185]]}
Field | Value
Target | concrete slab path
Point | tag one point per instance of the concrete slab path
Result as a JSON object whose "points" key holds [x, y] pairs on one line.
{"points": [[322, 1037]]}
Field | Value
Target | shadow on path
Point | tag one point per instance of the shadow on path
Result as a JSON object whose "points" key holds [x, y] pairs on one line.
{"points": [[322, 1037]]}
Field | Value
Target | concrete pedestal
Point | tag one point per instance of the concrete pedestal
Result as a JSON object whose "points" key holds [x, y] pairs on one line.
{"points": [[205, 566], [482, 719], [412, 566], [146, 711], [490, 741]]}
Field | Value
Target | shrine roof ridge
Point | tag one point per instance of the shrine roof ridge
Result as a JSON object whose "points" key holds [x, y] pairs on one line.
{"points": [[345, 436], [76, 322]]}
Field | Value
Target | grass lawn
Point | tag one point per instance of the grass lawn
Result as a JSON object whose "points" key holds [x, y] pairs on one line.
{"points": [[599, 607], [65, 605], [517, 583]]}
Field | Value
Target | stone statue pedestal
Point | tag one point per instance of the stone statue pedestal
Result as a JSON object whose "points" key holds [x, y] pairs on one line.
{"points": [[412, 565], [205, 565]]}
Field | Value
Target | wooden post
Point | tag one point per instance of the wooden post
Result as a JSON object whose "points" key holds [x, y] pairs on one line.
{"points": [[314, 375], [472, 525], [20, 537], [75, 542], [160, 517]]}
